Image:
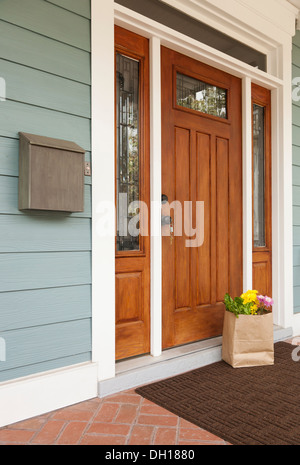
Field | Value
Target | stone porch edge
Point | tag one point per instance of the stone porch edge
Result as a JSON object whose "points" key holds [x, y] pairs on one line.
{"points": [[146, 369]]}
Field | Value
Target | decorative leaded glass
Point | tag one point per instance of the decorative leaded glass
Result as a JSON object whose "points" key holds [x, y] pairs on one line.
{"points": [[201, 96], [128, 163], [259, 176]]}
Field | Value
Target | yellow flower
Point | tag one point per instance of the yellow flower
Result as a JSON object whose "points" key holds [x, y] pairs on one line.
{"points": [[250, 296], [253, 309]]}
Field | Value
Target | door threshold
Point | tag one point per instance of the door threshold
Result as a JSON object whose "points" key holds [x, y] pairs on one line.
{"points": [[146, 369], [167, 355]]}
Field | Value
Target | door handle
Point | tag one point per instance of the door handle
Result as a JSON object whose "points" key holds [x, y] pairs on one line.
{"points": [[166, 220], [164, 198]]}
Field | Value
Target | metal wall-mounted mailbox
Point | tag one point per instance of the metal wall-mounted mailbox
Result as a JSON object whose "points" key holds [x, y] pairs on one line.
{"points": [[51, 174]]}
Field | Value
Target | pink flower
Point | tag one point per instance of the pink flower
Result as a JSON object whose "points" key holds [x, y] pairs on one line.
{"points": [[265, 300], [268, 301]]}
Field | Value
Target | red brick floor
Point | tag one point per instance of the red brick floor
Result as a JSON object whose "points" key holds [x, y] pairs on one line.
{"points": [[121, 419]]}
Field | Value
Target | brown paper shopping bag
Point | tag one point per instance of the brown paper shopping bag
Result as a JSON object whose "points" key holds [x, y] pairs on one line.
{"points": [[248, 340]]}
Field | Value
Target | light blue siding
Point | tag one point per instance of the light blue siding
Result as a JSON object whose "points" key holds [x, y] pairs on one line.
{"points": [[296, 174], [34, 368], [15, 117], [42, 270], [9, 199], [25, 309], [32, 233], [57, 23], [296, 255], [45, 90], [81, 7], [45, 257], [30, 346], [296, 215], [33, 345], [9, 158], [296, 155], [39, 52]]}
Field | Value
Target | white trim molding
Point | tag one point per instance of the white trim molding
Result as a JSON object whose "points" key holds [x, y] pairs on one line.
{"points": [[181, 43], [247, 182], [282, 198], [103, 190], [35, 395], [155, 194], [257, 23]]}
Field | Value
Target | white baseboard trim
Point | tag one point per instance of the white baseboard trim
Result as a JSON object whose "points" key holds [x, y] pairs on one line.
{"points": [[35, 395]]}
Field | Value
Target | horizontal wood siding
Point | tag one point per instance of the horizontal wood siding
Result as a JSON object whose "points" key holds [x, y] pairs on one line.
{"points": [[45, 257], [296, 172], [45, 90], [9, 199], [37, 307], [39, 52], [57, 124], [81, 7]]}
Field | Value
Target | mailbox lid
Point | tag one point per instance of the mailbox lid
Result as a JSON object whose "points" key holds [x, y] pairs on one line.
{"points": [[44, 141]]}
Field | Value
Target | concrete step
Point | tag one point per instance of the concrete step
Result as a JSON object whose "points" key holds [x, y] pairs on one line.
{"points": [[147, 369]]}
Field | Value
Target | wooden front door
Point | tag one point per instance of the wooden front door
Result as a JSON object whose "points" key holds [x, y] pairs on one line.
{"points": [[132, 195], [201, 162]]}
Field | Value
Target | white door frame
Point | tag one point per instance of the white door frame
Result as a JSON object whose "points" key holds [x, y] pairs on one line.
{"points": [[277, 46]]}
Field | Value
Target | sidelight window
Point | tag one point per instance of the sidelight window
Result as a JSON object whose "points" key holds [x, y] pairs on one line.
{"points": [[128, 160], [259, 176]]}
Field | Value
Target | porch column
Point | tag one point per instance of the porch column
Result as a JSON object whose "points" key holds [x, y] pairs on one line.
{"points": [[282, 194], [103, 196], [155, 179], [247, 183]]}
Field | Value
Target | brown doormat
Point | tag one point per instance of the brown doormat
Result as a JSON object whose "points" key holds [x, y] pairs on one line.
{"points": [[243, 406]]}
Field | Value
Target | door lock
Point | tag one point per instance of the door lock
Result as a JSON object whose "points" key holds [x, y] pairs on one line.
{"points": [[166, 220], [164, 199]]}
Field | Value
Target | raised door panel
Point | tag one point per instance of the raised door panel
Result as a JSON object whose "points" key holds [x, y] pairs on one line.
{"points": [[222, 218], [182, 194], [204, 266], [129, 305], [262, 273]]}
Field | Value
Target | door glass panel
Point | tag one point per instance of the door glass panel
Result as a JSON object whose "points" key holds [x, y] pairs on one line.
{"points": [[259, 176], [128, 162], [201, 96]]}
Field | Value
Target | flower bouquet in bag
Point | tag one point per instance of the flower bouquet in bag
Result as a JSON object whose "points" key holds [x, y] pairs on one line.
{"points": [[248, 330]]}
